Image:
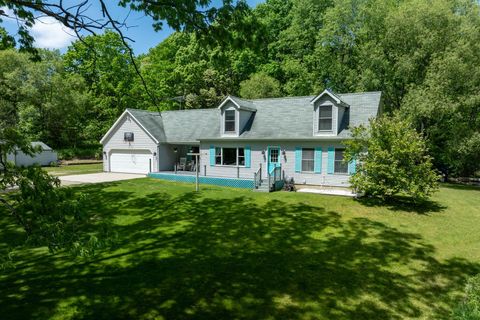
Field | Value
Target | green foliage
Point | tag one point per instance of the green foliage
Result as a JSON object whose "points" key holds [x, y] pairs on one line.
{"points": [[260, 85], [104, 63], [469, 308], [392, 159], [6, 40], [41, 99], [86, 152]]}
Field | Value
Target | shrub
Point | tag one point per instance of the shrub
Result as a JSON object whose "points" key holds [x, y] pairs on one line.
{"points": [[469, 308], [392, 160], [91, 152]]}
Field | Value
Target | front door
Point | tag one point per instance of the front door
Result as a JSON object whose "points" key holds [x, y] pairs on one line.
{"points": [[273, 158]]}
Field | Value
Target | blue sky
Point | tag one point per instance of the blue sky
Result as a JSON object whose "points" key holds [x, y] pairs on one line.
{"points": [[50, 34]]}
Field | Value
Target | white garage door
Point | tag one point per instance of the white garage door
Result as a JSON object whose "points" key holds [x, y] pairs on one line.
{"points": [[131, 161]]}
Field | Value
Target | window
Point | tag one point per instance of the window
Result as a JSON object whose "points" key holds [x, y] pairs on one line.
{"points": [[241, 156], [325, 118], [230, 156], [274, 155], [218, 155], [128, 136], [340, 166], [229, 120], [308, 160]]}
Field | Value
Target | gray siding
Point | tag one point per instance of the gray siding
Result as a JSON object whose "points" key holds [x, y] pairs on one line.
{"points": [[43, 158], [142, 141], [167, 157], [287, 161]]}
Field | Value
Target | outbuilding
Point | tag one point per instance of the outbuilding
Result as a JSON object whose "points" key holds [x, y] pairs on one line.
{"points": [[43, 158]]}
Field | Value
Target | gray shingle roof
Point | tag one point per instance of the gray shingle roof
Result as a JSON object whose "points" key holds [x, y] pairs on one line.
{"points": [[244, 104], [40, 144], [276, 118]]}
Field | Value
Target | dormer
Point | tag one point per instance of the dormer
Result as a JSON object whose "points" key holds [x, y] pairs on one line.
{"points": [[330, 114], [235, 113]]}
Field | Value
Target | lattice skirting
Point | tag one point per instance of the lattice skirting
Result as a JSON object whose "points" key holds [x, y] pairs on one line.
{"points": [[224, 182]]}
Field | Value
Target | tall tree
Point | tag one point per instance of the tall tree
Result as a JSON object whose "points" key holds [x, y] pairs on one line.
{"points": [[104, 62]]}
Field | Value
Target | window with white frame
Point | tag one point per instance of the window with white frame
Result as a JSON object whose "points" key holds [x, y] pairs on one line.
{"points": [[340, 165], [230, 156], [308, 159], [325, 118], [230, 121]]}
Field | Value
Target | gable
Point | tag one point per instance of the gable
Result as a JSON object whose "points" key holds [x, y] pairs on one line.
{"points": [[128, 123]]}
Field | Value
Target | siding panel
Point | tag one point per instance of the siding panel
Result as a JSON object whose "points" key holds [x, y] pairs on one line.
{"points": [[287, 161], [142, 141]]}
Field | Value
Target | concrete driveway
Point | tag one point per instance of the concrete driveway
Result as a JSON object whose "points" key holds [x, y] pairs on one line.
{"points": [[98, 178]]}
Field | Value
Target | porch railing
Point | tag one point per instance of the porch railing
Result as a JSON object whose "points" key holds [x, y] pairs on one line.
{"points": [[274, 176], [257, 177]]}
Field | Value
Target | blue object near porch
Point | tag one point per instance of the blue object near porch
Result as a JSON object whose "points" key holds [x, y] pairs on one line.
{"points": [[217, 181]]}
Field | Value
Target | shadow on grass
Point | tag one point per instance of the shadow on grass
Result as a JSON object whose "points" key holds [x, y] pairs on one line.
{"points": [[191, 256], [401, 203]]}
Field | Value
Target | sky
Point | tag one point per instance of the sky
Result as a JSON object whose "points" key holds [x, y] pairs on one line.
{"points": [[50, 34]]}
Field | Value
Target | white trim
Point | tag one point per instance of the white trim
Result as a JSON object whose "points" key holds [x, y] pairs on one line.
{"points": [[228, 98], [118, 121], [238, 107], [331, 95]]}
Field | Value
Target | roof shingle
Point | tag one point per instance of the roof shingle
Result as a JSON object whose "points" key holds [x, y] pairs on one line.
{"points": [[275, 118]]}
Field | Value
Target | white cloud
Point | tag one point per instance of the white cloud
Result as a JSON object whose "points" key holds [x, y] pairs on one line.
{"points": [[51, 34]]}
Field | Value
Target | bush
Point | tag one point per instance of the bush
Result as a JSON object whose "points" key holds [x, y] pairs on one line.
{"points": [[53, 164], [94, 152], [392, 159], [469, 308]]}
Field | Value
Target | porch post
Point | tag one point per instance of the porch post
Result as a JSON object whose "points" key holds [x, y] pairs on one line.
{"points": [[196, 172]]}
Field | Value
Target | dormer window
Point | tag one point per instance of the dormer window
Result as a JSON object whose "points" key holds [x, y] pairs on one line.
{"points": [[325, 118], [230, 121]]}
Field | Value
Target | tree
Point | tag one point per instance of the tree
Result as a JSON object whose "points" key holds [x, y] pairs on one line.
{"points": [[104, 62], [6, 40], [49, 216], [392, 159], [186, 15], [41, 99], [260, 85]]}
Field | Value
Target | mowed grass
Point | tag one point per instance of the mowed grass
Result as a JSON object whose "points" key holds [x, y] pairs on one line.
{"points": [[235, 254], [75, 169]]}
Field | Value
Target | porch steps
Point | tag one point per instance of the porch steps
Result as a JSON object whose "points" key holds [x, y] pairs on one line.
{"points": [[262, 188]]}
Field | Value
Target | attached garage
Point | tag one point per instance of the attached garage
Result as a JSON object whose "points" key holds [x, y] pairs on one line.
{"points": [[131, 161]]}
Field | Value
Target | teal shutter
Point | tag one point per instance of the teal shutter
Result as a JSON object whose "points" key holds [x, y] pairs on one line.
{"points": [[298, 159], [352, 166], [247, 157], [331, 160], [212, 156], [317, 162]]}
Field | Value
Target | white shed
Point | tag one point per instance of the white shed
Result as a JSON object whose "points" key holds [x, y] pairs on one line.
{"points": [[43, 158]]}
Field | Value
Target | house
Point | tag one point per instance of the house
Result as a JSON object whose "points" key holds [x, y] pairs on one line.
{"points": [[244, 140], [44, 157]]}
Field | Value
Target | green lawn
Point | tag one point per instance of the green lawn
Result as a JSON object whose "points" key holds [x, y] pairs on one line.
{"points": [[235, 254], [75, 169]]}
